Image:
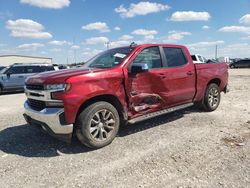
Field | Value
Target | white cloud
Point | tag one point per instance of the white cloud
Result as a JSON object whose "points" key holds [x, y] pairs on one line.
{"points": [[206, 44], [75, 47], [238, 50], [55, 49], [119, 43], [245, 19], [190, 16], [149, 37], [25, 28], [141, 8], [144, 32], [126, 37], [205, 48], [100, 26], [96, 40], [60, 42], [54, 4], [246, 38], [117, 28], [205, 27], [235, 29], [32, 46], [177, 35]]}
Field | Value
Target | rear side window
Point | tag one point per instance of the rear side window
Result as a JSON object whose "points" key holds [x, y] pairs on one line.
{"points": [[47, 68], [33, 69], [200, 58], [150, 56], [194, 58], [17, 70], [175, 57], [247, 62]]}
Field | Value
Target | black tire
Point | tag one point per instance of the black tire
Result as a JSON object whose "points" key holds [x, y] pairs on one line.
{"points": [[232, 66], [212, 97], [1, 89], [97, 125]]}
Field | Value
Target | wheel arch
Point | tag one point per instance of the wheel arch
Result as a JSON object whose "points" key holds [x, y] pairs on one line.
{"points": [[215, 81], [106, 98]]}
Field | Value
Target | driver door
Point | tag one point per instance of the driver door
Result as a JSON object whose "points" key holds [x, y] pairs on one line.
{"points": [[146, 89]]}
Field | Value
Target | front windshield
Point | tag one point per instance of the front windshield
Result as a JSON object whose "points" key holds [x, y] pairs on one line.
{"points": [[3, 70], [109, 58]]}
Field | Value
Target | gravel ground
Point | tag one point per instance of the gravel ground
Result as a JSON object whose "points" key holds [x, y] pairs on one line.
{"points": [[188, 148]]}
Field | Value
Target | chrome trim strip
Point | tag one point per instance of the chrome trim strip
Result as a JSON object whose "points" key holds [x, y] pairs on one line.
{"points": [[49, 116], [44, 95], [158, 113]]}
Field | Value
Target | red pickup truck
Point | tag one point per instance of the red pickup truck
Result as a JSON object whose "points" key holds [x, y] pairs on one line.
{"points": [[121, 85]]}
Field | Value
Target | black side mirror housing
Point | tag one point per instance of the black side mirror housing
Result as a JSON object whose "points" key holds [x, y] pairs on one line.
{"points": [[138, 68]]}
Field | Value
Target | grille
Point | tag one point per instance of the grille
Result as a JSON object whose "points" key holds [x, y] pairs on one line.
{"points": [[36, 104], [34, 87]]}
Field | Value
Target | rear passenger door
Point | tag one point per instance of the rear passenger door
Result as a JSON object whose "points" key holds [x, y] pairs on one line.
{"points": [[179, 76]]}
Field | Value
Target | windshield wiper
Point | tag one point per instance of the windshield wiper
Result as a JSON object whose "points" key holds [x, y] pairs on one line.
{"points": [[99, 66]]}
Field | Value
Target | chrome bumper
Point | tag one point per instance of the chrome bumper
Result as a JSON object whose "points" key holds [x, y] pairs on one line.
{"points": [[48, 118]]}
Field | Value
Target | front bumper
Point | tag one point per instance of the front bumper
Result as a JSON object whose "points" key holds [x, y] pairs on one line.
{"points": [[51, 120]]}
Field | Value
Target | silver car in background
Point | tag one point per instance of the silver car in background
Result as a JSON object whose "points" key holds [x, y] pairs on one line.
{"points": [[12, 78]]}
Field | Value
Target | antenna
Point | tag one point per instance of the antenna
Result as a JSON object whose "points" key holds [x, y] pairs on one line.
{"points": [[107, 44]]}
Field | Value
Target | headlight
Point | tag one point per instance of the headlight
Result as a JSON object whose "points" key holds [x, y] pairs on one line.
{"points": [[57, 87]]}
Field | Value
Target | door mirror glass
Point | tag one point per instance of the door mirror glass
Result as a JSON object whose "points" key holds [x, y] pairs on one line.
{"points": [[138, 68]]}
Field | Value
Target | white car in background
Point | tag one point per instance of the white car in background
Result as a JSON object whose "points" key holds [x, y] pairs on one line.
{"points": [[198, 58]]}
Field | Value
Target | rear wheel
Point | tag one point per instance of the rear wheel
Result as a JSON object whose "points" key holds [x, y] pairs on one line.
{"points": [[211, 99], [97, 125]]}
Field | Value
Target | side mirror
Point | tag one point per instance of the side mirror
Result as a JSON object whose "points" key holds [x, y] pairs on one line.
{"points": [[138, 68]]}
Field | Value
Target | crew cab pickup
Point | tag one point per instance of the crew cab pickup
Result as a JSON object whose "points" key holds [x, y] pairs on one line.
{"points": [[118, 86]]}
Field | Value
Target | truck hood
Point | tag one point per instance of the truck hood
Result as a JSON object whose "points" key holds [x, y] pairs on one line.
{"points": [[59, 76]]}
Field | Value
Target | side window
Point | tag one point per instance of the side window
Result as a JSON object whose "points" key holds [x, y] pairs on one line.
{"points": [[16, 70], [150, 56], [175, 57], [47, 68], [194, 58], [33, 69], [200, 58]]}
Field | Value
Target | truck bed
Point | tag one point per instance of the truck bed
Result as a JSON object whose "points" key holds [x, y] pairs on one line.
{"points": [[205, 72]]}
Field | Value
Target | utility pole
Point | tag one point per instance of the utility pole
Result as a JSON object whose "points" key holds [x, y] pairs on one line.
{"points": [[74, 50], [216, 51], [107, 44]]}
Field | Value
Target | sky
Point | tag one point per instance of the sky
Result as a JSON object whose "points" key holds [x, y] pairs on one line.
{"points": [[75, 30]]}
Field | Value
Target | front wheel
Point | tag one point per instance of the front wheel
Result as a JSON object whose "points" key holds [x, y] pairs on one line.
{"points": [[97, 125], [211, 99]]}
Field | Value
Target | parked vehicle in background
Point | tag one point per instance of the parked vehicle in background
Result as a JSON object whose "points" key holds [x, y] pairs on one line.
{"points": [[243, 63], [12, 78], [224, 60], [212, 61], [121, 85], [198, 58], [1, 68]]}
